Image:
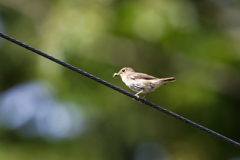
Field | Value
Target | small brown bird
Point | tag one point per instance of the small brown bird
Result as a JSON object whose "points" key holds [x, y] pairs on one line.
{"points": [[140, 82]]}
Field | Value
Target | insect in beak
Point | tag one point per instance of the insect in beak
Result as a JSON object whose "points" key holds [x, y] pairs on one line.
{"points": [[116, 74]]}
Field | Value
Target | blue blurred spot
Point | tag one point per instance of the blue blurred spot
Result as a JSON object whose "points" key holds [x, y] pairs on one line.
{"points": [[32, 110], [151, 151]]}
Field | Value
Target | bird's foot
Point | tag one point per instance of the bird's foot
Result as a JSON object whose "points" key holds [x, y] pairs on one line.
{"points": [[136, 96], [144, 100]]}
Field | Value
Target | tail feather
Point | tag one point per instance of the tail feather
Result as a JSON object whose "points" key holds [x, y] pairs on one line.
{"points": [[162, 81], [171, 79]]}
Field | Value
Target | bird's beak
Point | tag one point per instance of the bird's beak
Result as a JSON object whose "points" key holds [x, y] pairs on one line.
{"points": [[116, 74]]}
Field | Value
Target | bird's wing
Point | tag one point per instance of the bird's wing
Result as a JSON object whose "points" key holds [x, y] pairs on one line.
{"points": [[141, 76]]}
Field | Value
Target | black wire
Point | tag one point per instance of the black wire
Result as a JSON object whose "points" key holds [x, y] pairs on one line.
{"points": [[226, 139]]}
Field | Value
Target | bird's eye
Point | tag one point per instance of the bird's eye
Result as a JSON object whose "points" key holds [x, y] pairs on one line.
{"points": [[123, 70]]}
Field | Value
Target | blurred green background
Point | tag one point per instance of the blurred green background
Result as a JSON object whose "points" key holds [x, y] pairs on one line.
{"points": [[50, 112]]}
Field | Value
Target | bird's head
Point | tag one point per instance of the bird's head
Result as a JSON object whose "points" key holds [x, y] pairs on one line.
{"points": [[123, 71]]}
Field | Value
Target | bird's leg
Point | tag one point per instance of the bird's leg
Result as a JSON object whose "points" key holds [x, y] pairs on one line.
{"points": [[138, 93], [144, 96]]}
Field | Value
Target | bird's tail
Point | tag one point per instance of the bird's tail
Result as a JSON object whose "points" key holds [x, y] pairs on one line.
{"points": [[171, 79], [162, 81]]}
